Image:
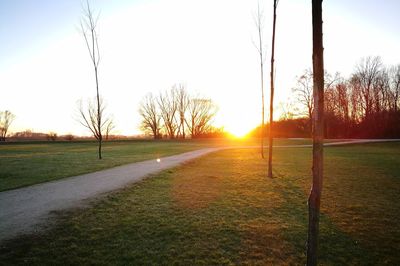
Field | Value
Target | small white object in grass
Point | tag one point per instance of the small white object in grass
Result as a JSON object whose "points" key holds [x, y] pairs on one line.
{"points": [[158, 160]]}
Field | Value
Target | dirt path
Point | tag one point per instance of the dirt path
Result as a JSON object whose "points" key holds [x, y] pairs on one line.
{"points": [[26, 210]]}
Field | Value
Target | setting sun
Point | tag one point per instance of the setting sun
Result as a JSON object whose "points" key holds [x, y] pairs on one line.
{"points": [[238, 131]]}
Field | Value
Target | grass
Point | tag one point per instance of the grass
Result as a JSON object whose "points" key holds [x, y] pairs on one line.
{"points": [[23, 164], [222, 210]]}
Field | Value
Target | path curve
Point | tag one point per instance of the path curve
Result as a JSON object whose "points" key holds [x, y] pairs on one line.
{"points": [[26, 210]]}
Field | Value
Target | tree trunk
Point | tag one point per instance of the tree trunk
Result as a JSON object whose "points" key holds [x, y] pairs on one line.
{"points": [[260, 50], [271, 103], [100, 137], [262, 109], [100, 157], [318, 130]]}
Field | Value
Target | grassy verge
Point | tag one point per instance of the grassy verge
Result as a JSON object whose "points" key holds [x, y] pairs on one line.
{"points": [[23, 164], [222, 210]]}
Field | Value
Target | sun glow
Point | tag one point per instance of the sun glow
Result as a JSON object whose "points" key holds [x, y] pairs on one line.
{"points": [[238, 131]]}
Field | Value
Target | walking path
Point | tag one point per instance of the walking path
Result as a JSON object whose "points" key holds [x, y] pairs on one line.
{"points": [[26, 210]]}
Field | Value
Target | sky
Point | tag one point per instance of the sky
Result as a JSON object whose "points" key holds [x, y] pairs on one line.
{"points": [[148, 46]]}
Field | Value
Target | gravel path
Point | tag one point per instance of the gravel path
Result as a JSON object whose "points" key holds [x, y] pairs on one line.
{"points": [[26, 210]]}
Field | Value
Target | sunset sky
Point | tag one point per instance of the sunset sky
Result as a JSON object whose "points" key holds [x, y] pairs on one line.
{"points": [[148, 46]]}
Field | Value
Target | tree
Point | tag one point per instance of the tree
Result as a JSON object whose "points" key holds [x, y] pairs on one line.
{"points": [[151, 119], [110, 126], [168, 107], [52, 136], [394, 97], [69, 137], [367, 72], [6, 118], [260, 49], [179, 113], [182, 99], [271, 102], [201, 113], [303, 90], [90, 117], [88, 27], [314, 199]]}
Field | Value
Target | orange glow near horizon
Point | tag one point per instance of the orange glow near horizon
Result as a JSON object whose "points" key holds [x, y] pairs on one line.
{"points": [[238, 131]]}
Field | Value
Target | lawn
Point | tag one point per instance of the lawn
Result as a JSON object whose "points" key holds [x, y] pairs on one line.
{"points": [[23, 164], [221, 210]]}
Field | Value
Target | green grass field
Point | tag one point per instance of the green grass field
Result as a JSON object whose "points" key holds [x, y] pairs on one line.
{"points": [[23, 164], [222, 210]]}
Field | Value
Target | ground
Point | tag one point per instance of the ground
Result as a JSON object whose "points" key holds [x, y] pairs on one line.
{"points": [[23, 164], [222, 209]]}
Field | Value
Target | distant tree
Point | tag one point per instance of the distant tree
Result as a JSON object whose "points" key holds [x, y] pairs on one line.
{"points": [[304, 93], [271, 102], [168, 106], [6, 118], [341, 100], [28, 133], [69, 137], [89, 118], [258, 19], [314, 199], [367, 72], [51, 136], [182, 99], [201, 113], [151, 119], [110, 126], [88, 27], [287, 110], [394, 83], [174, 112]]}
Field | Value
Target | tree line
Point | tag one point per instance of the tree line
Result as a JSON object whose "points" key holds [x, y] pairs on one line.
{"points": [[175, 113], [365, 105]]}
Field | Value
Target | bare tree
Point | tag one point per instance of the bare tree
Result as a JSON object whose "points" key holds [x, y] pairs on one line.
{"points": [[110, 126], [287, 110], [394, 75], [52, 136], [201, 113], [182, 99], [367, 72], [303, 91], [342, 101], [69, 137], [6, 118], [89, 118], [314, 199], [258, 18], [169, 107], [151, 119], [271, 102], [88, 27]]}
